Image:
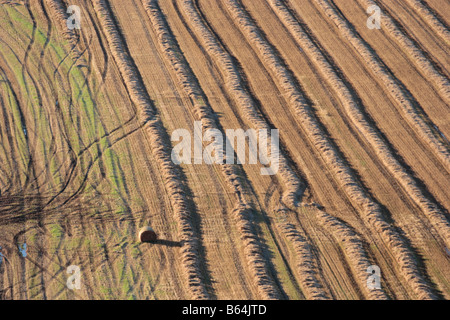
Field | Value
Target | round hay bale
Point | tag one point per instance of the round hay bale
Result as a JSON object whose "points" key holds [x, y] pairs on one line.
{"points": [[147, 234]]}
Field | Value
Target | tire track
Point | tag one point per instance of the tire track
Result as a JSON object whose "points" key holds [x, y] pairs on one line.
{"points": [[203, 111], [290, 230], [99, 152], [59, 11], [23, 187], [15, 175]]}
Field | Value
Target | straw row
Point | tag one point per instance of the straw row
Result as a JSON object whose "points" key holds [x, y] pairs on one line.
{"points": [[355, 112], [396, 89], [355, 253], [424, 64], [306, 262], [236, 86], [59, 12], [430, 17]]}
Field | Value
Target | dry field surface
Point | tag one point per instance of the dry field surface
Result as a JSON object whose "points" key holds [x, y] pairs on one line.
{"points": [[87, 116]]}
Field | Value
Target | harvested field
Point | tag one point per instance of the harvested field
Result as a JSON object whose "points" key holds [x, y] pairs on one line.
{"points": [[90, 119]]}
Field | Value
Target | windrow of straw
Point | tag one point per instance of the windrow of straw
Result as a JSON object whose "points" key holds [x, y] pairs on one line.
{"points": [[430, 17], [59, 12], [355, 113], [306, 263], [371, 211], [236, 86], [161, 150], [409, 107]]}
